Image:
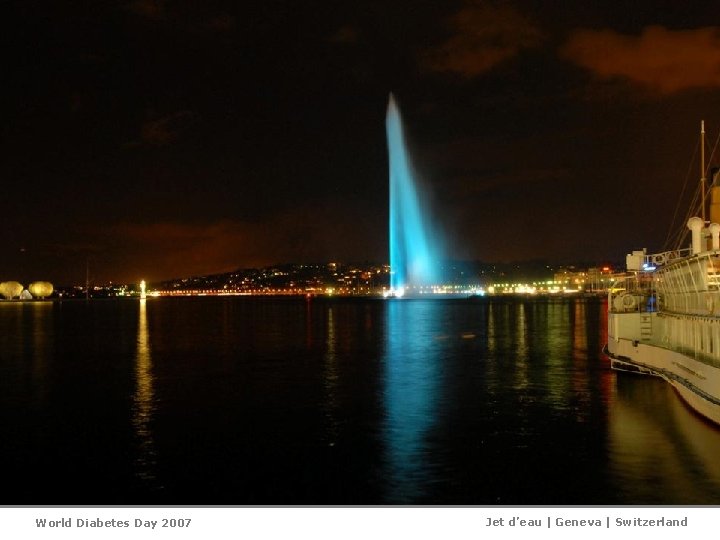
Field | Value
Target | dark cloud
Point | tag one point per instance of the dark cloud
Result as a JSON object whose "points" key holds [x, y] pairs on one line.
{"points": [[345, 34], [223, 22], [169, 128], [152, 9], [312, 232], [662, 60], [484, 35], [192, 17]]}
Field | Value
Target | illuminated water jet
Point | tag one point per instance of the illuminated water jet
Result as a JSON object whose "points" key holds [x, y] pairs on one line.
{"points": [[414, 249]]}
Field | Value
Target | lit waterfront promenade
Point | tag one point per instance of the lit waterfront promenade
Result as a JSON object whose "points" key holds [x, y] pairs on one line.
{"points": [[506, 289]]}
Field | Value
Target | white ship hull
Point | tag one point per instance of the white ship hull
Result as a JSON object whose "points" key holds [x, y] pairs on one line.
{"points": [[646, 343]]}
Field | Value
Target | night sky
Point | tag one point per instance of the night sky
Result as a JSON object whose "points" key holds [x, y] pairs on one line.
{"points": [[158, 139]]}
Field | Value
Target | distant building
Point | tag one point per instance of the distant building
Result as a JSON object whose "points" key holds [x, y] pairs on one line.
{"points": [[570, 278], [592, 279]]}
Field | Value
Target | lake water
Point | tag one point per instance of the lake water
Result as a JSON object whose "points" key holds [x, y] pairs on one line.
{"points": [[236, 401]]}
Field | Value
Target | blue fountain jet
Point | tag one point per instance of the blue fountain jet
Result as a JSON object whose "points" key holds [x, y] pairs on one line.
{"points": [[414, 250]]}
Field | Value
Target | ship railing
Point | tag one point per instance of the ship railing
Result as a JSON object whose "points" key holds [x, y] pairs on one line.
{"points": [[691, 286], [656, 260]]}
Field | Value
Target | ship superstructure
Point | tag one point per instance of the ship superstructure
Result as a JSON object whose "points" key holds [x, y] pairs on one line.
{"points": [[664, 317]]}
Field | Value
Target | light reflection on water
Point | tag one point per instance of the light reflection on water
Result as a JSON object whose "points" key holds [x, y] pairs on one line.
{"points": [[412, 379], [331, 380], [521, 375], [655, 436], [338, 401], [143, 408]]}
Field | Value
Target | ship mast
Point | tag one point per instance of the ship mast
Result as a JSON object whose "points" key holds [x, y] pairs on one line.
{"points": [[703, 180]]}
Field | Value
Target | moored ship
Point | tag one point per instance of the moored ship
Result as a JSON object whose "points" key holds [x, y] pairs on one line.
{"points": [[664, 316]]}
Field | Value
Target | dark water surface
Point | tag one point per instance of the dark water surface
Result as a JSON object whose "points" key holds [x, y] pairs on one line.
{"points": [[235, 401]]}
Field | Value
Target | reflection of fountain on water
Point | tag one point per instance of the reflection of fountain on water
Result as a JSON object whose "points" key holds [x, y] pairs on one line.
{"points": [[413, 377], [414, 250]]}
